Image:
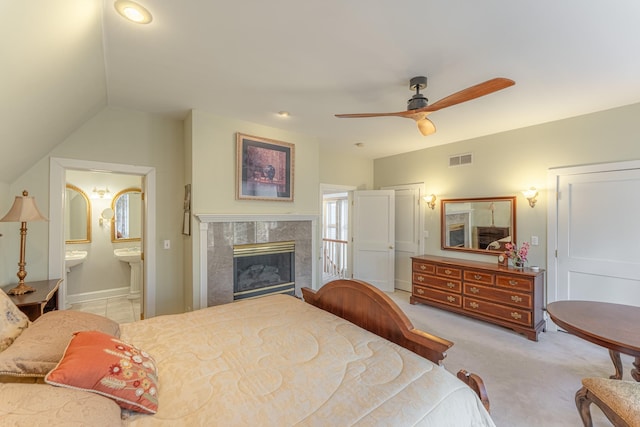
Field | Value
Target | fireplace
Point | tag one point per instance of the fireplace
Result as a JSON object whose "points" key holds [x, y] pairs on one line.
{"points": [[261, 269], [457, 235], [220, 233]]}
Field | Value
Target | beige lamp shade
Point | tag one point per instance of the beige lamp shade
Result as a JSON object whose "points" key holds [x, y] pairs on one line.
{"points": [[24, 210]]}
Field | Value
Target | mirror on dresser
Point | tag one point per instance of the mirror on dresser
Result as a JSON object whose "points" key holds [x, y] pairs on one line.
{"points": [[77, 216], [126, 224], [482, 225]]}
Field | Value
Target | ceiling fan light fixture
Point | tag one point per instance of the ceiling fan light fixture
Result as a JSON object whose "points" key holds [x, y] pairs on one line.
{"points": [[133, 11]]}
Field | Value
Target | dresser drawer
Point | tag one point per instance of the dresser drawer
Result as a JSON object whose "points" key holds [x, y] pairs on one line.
{"points": [[498, 295], [423, 267], [446, 271], [512, 282], [454, 300], [438, 282], [478, 277], [510, 314]]}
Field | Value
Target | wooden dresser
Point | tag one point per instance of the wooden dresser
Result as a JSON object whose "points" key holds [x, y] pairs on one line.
{"points": [[505, 296]]}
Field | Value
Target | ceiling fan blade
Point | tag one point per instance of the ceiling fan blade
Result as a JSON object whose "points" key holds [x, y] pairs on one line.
{"points": [[397, 114], [470, 93], [426, 126]]}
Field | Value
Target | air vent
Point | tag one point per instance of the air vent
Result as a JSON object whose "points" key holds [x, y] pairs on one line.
{"points": [[461, 160]]}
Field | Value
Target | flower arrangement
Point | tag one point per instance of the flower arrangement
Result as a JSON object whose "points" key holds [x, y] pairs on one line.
{"points": [[517, 255]]}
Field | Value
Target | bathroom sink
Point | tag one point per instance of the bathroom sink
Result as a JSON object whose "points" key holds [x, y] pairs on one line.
{"points": [[73, 258], [130, 255], [133, 258]]}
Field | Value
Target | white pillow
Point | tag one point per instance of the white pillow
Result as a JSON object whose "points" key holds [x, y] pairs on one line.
{"points": [[12, 321]]}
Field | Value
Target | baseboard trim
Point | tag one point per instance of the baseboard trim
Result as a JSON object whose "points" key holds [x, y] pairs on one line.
{"points": [[97, 295]]}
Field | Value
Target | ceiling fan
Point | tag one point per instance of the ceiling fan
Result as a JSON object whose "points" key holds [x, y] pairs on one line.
{"points": [[418, 109]]}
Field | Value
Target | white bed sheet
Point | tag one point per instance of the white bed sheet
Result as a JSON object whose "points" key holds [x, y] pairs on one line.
{"points": [[277, 361]]}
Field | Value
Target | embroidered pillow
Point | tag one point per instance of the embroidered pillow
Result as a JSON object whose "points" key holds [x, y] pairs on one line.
{"points": [[100, 363], [12, 321]]}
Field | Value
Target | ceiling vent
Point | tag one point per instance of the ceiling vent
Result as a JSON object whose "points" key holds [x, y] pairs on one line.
{"points": [[461, 160]]}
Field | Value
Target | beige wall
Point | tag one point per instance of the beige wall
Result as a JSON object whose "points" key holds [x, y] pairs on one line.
{"points": [[507, 163], [345, 168], [123, 137], [213, 177]]}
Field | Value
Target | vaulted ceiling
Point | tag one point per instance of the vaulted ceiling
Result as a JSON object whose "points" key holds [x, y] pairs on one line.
{"points": [[64, 60]]}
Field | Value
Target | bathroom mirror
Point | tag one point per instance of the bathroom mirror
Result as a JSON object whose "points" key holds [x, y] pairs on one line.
{"points": [[482, 225], [126, 224], [77, 216]]}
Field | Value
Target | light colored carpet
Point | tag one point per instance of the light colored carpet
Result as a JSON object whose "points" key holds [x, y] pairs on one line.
{"points": [[530, 384]]}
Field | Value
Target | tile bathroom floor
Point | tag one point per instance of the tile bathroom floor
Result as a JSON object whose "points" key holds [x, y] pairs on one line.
{"points": [[119, 309]]}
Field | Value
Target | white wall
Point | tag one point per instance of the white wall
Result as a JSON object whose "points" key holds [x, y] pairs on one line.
{"points": [[509, 162]]}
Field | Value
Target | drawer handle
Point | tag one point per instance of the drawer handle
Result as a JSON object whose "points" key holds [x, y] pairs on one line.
{"points": [[513, 282], [516, 316], [474, 304], [477, 276], [516, 298], [419, 291], [451, 299], [447, 271], [420, 279], [474, 290], [451, 285], [423, 267]]}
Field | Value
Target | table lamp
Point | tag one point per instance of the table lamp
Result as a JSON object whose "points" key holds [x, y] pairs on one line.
{"points": [[24, 210]]}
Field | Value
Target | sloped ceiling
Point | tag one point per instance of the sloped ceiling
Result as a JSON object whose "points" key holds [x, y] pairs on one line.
{"points": [[66, 59], [53, 76]]}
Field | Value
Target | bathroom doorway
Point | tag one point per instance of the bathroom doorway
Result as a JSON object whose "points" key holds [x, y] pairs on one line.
{"points": [[100, 251], [108, 280]]}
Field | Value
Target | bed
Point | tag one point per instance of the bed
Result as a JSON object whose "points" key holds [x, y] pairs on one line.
{"points": [[345, 356]]}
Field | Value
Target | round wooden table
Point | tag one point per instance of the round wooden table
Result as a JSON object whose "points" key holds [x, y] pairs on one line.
{"points": [[613, 326]]}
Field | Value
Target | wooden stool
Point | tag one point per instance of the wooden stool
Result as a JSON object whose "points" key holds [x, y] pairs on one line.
{"points": [[618, 400]]}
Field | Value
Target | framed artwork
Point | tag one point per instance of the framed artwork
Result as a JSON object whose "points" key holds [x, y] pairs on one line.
{"points": [[264, 169], [186, 216]]}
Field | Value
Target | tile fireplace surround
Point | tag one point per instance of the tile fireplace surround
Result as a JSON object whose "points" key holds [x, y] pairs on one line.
{"points": [[219, 233]]}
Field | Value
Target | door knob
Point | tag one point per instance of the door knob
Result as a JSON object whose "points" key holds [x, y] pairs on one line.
{"points": [[390, 246]]}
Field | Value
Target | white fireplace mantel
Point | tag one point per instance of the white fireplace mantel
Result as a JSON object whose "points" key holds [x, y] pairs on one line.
{"points": [[204, 218]]}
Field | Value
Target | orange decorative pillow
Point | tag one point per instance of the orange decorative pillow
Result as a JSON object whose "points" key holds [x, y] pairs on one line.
{"points": [[100, 363]]}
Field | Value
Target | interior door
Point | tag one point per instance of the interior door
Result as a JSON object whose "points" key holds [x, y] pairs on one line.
{"points": [[408, 225], [598, 235], [374, 237]]}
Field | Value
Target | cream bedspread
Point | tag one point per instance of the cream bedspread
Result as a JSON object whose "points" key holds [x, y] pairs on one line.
{"points": [[277, 361]]}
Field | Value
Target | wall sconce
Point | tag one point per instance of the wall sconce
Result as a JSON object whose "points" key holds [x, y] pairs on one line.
{"points": [[531, 195], [100, 193], [431, 200]]}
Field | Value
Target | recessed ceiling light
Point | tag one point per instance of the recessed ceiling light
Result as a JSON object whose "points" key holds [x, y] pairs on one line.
{"points": [[133, 11], [283, 113]]}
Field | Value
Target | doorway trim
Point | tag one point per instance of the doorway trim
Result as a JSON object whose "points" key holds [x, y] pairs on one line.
{"points": [[328, 189], [57, 182]]}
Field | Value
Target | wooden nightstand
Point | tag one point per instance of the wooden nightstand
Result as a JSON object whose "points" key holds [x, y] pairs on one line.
{"points": [[35, 304]]}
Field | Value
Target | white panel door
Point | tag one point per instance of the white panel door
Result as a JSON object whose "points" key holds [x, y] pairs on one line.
{"points": [[408, 225], [373, 237], [598, 244]]}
